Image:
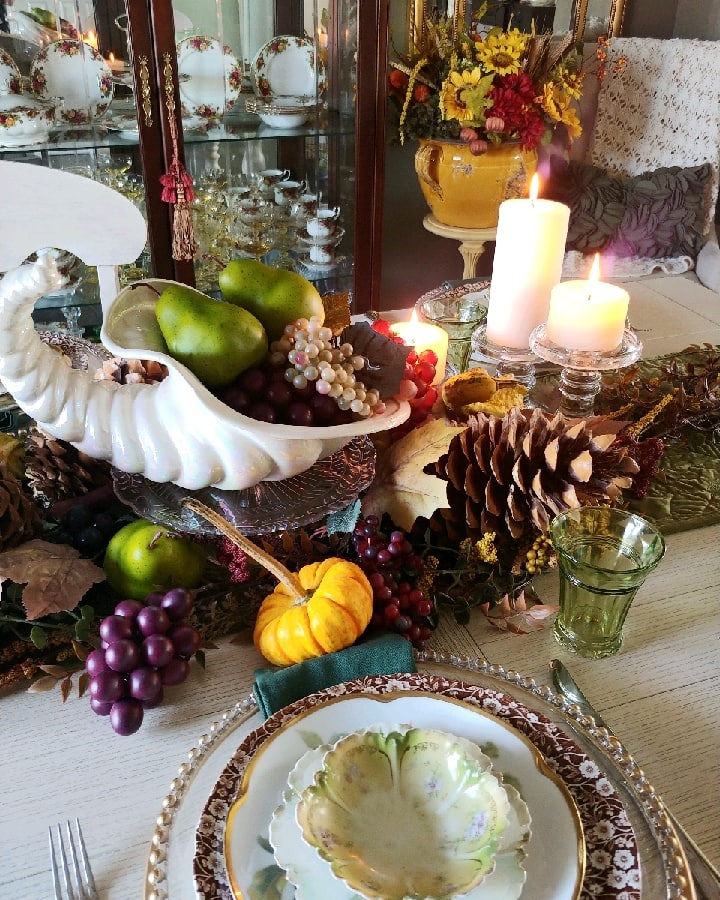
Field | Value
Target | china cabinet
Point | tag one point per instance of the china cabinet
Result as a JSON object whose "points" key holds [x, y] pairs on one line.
{"points": [[188, 83]]}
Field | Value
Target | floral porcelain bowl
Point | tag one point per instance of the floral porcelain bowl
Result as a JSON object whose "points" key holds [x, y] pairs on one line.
{"points": [[447, 812], [24, 120]]}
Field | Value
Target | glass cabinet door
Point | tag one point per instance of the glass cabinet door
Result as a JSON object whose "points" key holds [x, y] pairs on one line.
{"points": [[260, 102]]}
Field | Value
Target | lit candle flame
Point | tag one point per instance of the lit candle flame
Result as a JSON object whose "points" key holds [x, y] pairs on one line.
{"points": [[534, 187], [594, 275], [90, 37]]}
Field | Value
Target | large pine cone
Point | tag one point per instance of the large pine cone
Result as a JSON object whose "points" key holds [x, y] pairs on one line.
{"points": [[19, 514], [55, 470], [516, 473]]}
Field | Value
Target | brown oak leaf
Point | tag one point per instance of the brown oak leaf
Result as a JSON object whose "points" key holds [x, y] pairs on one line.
{"points": [[55, 575], [400, 487]]}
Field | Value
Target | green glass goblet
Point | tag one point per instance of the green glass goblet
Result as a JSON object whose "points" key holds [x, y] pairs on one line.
{"points": [[458, 311], [604, 556]]}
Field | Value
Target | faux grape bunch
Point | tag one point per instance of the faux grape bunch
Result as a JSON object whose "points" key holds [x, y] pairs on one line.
{"points": [[145, 646]]}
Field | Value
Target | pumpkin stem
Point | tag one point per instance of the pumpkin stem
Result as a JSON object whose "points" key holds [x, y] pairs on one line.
{"points": [[283, 575]]}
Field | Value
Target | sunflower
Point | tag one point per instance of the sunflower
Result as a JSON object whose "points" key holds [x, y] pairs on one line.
{"points": [[463, 95], [556, 102], [502, 51]]}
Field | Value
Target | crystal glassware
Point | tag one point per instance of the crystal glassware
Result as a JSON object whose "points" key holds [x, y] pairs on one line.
{"points": [[458, 311], [604, 556]]}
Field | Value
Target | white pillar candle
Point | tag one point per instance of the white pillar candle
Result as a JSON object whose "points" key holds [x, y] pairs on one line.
{"points": [[587, 315], [425, 336], [529, 252]]}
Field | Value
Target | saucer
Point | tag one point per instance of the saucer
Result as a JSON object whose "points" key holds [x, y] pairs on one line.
{"points": [[332, 239]]}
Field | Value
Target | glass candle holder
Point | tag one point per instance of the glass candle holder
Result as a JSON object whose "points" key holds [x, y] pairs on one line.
{"points": [[458, 311], [604, 556]]}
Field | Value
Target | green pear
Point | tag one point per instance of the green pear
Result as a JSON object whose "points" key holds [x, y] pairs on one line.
{"points": [[214, 339], [275, 296]]}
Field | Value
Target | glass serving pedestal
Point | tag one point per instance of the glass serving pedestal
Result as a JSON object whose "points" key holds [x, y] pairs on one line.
{"points": [[515, 362], [329, 486], [582, 370]]}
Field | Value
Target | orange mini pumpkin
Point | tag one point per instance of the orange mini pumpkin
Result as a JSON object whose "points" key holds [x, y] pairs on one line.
{"points": [[333, 611], [325, 607]]}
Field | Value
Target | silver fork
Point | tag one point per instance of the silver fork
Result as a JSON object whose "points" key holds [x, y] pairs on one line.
{"points": [[70, 865]]}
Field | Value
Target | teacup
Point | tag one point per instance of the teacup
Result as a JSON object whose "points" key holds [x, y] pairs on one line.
{"points": [[268, 178], [287, 191], [323, 223], [305, 205], [320, 253]]}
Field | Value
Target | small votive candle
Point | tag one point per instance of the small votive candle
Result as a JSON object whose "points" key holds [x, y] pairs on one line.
{"points": [[425, 336], [588, 314]]}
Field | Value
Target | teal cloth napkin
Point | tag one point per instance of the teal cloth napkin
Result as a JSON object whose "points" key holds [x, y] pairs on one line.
{"points": [[384, 655]]}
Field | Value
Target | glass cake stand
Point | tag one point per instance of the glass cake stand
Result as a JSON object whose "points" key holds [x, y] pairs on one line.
{"points": [[326, 487]]}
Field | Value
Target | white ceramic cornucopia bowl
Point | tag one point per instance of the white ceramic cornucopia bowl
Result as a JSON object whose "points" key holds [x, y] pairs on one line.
{"points": [[174, 431]]}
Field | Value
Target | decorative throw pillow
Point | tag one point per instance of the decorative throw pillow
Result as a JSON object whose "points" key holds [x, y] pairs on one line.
{"points": [[655, 215]]}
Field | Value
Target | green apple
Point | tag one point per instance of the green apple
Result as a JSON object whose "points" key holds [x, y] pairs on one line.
{"points": [[275, 296], [216, 340], [143, 557]]}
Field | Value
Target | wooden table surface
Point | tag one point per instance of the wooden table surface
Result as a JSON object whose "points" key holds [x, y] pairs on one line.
{"points": [[661, 694]]}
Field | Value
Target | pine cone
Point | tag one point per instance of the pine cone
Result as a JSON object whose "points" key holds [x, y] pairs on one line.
{"points": [[516, 473], [55, 470], [19, 515], [131, 371]]}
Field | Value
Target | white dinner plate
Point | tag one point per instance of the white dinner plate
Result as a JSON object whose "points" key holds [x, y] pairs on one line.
{"points": [[77, 74], [285, 66], [313, 876], [9, 74], [210, 77], [611, 857]]}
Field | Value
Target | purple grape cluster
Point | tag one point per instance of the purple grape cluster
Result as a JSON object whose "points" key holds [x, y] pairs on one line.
{"points": [[86, 530], [391, 564], [263, 393], [145, 646]]}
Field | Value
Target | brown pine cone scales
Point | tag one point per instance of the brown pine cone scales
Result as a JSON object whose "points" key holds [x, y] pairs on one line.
{"points": [[512, 474], [55, 470], [19, 515]]}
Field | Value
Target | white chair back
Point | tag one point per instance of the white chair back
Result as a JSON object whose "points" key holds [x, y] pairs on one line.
{"points": [[41, 207]]}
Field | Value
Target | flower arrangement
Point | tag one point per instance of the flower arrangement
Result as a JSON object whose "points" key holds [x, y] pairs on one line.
{"points": [[484, 90]]}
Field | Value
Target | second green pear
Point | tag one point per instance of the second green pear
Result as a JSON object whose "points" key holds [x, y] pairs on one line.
{"points": [[216, 340], [275, 296]]}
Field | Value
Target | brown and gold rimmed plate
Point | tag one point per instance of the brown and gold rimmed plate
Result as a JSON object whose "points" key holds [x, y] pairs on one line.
{"points": [[631, 850]]}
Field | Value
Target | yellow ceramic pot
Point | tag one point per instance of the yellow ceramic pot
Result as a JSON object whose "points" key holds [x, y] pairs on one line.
{"points": [[465, 190]]}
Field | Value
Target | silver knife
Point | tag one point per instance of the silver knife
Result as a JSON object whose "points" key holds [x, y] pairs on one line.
{"points": [[707, 877]]}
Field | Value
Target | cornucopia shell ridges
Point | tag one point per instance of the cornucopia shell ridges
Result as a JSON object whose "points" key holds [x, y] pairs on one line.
{"points": [[175, 431]]}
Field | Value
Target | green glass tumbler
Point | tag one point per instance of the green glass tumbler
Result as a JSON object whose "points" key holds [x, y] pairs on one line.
{"points": [[604, 556]]}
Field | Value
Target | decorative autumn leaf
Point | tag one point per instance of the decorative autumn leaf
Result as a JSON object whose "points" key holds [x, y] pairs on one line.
{"points": [[400, 487], [55, 575], [516, 616]]}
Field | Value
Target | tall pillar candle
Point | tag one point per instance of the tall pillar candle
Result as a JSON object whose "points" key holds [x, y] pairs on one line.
{"points": [[529, 252]]}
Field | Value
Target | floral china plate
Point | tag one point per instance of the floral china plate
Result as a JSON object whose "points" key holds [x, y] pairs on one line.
{"points": [[9, 74], [77, 74], [210, 77], [285, 67], [310, 876], [555, 860], [627, 831]]}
